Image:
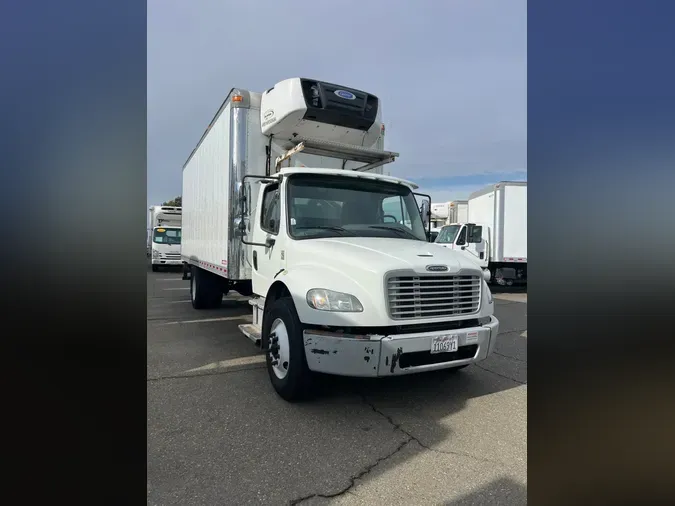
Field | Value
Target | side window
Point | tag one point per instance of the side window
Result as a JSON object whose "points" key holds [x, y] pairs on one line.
{"points": [[394, 211], [271, 211], [461, 240], [476, 236]]}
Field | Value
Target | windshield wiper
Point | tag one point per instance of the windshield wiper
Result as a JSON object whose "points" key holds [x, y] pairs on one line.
{"points": [[323, 227], [399, 230]]}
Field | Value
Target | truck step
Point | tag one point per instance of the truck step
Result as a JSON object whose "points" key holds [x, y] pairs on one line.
{"points": [[252, 332]]}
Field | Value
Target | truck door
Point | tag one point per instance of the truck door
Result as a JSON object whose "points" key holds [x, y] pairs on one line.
{"points": [[266, 254], [474, 240]]}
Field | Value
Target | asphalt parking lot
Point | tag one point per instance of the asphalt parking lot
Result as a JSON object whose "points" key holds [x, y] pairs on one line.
{"points": [[218, 433]]}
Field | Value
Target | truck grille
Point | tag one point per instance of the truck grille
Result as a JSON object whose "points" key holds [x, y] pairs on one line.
{"points": [[433, 296], [172, 256]]}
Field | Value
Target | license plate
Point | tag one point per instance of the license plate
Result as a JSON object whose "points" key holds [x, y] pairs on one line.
{"points": [[444, 344]]}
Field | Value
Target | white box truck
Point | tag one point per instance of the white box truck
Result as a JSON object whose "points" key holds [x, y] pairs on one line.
{"points": [[164, 236], [284, 200], [458, 211], [439, 216], [455, 211], [495, 231]]}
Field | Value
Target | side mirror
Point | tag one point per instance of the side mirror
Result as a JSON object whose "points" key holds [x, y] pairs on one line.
{"points": [[270, 242], [426, 213]]}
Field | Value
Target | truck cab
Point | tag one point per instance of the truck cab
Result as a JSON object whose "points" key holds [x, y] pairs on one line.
{"points": [[164, 241], [470, 238], [345, 281]]}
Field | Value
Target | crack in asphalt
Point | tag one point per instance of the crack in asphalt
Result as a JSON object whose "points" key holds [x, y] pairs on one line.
{"points": [[511, 331], [412, 437], [199, 375], [509, 356], [409, 439], [501, 375], [352, 479]]}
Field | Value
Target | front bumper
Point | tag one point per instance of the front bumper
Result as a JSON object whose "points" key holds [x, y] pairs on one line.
{"points": [[394, 355], [165, 261]]}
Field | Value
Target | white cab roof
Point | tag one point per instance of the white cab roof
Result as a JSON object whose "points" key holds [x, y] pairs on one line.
{"points": [[287, 171]]}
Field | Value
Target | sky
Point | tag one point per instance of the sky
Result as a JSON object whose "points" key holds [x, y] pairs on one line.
{"points": [[451, 77]]}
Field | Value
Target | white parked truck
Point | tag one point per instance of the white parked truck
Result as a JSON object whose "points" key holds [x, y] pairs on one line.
{"points": [[495, 233], [284, 200], [164, 237], [458, 211], [455, 211]]}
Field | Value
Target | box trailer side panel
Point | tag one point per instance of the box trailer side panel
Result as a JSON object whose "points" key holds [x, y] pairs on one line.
{"points": [[205, 209], [515, 222], [482, 209], [462, 213]]}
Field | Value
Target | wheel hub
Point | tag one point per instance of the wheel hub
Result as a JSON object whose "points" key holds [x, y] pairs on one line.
{"points": [[278, 348]]}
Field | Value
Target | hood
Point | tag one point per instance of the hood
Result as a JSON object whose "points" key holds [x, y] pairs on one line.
{"points": [[380, 255]]}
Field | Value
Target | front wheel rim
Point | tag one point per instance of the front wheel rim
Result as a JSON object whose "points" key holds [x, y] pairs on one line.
{"points": [[279, 349], [192, 288]]}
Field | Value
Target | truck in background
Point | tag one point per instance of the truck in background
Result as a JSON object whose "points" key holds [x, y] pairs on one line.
{"points": [[455, 211], [439, 216], [458, 211], [164, 236], [284, 200], [495, 233]]}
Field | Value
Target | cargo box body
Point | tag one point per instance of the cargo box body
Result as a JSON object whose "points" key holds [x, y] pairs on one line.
{"points": [[503, 208], [458, 211], [231, 148]]}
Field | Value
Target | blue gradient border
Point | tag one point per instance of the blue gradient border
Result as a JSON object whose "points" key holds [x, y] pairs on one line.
{"points": [[601, 160], [73, 159]]}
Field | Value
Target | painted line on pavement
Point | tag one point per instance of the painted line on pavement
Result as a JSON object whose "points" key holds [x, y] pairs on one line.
{"points": [[207, 320], [233, 362]]}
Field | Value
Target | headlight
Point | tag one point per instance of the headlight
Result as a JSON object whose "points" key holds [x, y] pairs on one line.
{"points": [[328, 300], [486, 275], [155, 253]]}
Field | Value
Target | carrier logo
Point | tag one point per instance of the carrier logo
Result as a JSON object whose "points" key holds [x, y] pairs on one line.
{"points": [[437, 268], [347, 95], [268, 117]]}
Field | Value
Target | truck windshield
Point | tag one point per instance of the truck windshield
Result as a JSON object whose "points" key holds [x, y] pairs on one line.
{"points": [[330, 206], [166, 235], [448, 234]]}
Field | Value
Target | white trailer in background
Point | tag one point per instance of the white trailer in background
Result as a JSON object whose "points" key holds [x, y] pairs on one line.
{"points": [[447, 213], [495, 231], [458, 211], [284, 200], [439, 215], [164, 236]]}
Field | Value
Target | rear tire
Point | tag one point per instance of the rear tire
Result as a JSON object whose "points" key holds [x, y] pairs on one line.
{"points": [[290, 376], [205, 293]]}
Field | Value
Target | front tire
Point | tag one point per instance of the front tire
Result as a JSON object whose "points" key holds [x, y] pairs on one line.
{"points": [[155, 267], [286, 361]]}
